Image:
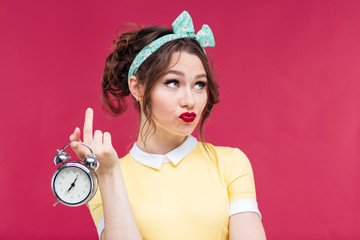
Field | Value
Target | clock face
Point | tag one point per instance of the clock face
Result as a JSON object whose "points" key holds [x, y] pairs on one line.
{"points": [[72, 185]]}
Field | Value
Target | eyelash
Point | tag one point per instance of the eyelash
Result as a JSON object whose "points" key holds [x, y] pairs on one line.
{"points": [[167, 82], [201, 83]]}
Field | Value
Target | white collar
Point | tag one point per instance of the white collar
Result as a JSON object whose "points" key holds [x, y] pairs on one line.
{"points": [[156, 160]]}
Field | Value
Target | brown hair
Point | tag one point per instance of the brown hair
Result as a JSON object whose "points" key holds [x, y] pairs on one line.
{"points": [[115, 78]]}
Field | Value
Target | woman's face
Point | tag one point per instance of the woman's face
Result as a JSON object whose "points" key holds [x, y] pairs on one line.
{"points": [[180, 96]]}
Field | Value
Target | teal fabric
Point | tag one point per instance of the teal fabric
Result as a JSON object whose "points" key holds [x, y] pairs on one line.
{"points": [[183, 28]]}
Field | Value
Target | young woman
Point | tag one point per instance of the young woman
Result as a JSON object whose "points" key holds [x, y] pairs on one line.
{"points": [[169, 186]]}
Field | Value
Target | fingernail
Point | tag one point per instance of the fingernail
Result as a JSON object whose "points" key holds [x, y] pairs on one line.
{"points": [[89, 110]]}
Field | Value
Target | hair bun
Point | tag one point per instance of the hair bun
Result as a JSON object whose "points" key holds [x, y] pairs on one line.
{"points": [[114, 80]]}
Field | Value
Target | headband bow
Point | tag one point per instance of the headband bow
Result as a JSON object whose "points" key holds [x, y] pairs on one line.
{"points": [[183, 28]]}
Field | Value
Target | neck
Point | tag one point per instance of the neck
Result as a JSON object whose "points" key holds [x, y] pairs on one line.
{"points": [[159, 142]]}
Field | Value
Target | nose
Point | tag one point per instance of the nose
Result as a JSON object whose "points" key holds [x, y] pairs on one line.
{"points": [[187, 99]]}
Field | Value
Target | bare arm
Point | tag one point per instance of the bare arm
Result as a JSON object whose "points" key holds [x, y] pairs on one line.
{"points": [[246, 226], [118, 217]]}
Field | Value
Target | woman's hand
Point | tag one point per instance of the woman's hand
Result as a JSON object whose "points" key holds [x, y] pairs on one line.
{"points": [[100, 143]]}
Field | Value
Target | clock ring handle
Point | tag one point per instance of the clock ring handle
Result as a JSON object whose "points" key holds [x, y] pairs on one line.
{"points": [[84, 144], [90, 160]]}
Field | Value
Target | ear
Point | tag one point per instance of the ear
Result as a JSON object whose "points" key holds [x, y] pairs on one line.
{"points": [[136, 89]]}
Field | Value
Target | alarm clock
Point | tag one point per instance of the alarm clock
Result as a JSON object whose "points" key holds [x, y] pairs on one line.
{"points": [[75, 182]]}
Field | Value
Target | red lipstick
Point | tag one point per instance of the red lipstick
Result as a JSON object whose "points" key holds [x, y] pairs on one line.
{"points": [[188, 116]]}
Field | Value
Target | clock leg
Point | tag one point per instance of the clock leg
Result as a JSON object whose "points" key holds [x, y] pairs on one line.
{"points": [[55, 203]]}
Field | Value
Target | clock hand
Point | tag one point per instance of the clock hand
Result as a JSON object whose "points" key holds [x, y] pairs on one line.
{"points": [[73, 184]]}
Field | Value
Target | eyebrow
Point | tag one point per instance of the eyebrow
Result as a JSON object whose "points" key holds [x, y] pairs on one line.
{"points": [[202, 75]]}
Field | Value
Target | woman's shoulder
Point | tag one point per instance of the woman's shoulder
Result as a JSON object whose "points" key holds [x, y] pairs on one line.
{"points": [[231, 160], [225, 151]]}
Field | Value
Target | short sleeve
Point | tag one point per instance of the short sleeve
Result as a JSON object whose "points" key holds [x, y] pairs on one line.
{"points": [[96, 211], [240, 184]]}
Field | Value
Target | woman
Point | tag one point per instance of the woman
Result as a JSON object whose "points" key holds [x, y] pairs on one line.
{"points": [[169, 186]]}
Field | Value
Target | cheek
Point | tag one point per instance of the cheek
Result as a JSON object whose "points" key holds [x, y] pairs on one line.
{"points": [[161, 103], [203, 99]]}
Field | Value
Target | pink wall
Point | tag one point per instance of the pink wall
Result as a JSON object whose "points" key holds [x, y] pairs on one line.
{"points": [[289, 75]]}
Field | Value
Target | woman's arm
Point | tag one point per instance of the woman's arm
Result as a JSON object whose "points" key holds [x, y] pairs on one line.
{"points": [[246, 226], [118, 217]]}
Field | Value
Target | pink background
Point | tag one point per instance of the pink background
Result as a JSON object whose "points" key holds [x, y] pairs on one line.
{"points": [[289, 75]]}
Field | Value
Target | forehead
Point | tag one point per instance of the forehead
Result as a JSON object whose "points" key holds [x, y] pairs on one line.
{"points": [[186, 61]]}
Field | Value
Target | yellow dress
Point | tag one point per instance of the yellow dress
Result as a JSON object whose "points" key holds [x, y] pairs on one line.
{"points": [[188, 193]]}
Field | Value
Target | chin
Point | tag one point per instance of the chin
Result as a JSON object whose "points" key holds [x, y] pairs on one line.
{"points": [[183, 129], [181, 132], [185, 133]]}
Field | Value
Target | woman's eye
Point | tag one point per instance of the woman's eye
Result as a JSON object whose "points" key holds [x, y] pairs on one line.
{"points": [[200, 85], [172, 83]]}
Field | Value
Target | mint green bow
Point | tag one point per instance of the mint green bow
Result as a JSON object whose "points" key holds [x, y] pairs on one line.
{"points": [[183, 27]]}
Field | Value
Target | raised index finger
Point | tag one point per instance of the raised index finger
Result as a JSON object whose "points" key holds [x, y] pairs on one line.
{"points": [[88, 126]]}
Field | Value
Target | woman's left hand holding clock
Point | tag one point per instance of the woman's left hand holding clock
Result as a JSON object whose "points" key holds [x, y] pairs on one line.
{"points": [[99, 142]]}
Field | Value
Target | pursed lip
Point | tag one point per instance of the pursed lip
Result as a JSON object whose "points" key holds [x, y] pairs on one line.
{"points": [[188, 116]]}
